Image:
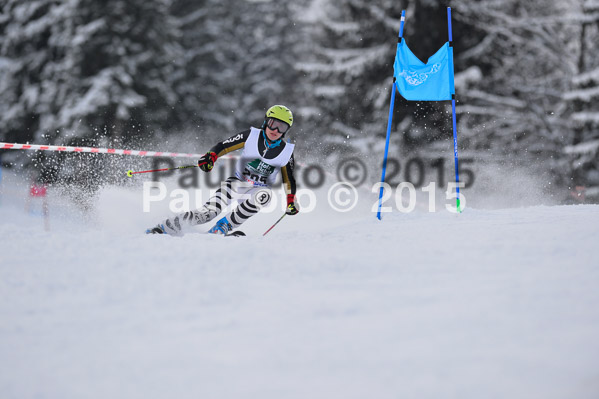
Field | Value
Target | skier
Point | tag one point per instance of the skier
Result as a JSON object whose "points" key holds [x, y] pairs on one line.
{"points": [[263, 152]]}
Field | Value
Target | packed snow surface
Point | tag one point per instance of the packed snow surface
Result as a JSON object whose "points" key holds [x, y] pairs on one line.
{"points": [[499, 303]]}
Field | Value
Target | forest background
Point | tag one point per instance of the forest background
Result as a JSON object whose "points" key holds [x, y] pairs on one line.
{"points": [[180, 75]]}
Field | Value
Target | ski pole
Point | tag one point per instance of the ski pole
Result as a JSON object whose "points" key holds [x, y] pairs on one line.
{"points": [[130, 173], [272, 227]]}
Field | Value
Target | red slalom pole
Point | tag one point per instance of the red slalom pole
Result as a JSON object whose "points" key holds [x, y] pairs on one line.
{"points": [[273, 226], [130, 173]]}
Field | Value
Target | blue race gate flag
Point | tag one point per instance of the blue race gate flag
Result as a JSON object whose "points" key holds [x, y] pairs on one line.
{"points": [[417, 81]]}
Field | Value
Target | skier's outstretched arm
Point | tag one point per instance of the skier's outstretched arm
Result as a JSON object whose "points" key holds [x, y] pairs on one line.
{"points": [[206, 162]]}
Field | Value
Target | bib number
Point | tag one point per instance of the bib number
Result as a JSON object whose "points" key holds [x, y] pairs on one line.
{"points": [[254, 176]]}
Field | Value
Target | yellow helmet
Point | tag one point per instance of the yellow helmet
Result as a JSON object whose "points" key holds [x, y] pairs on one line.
{"points": [[281, 113]]}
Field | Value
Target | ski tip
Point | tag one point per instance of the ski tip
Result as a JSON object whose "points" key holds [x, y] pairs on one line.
{"points": [[130, 173]]}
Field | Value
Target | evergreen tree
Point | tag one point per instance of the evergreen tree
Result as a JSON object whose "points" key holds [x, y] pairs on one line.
{"points": [[583, 149], [524, 59], [538, 60], [81, 69], [82, 72], [239, 61]]}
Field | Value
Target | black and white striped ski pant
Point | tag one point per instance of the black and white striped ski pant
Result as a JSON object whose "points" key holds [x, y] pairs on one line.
{"points": [[251, 199]]}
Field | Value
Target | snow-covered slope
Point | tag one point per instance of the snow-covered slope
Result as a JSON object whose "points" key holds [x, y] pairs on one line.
{"points": [[485, 304]]}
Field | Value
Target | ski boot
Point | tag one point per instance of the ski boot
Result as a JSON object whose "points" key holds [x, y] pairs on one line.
{"points": [[158, 229], [221, 227]]}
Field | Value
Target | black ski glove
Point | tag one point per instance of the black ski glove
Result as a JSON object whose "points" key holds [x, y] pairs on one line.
{"points": [[206, 162], [292, 208]]}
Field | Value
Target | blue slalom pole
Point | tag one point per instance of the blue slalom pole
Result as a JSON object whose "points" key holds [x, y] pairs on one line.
{"points": [[389, 123], [455, 130], [382, 189]]}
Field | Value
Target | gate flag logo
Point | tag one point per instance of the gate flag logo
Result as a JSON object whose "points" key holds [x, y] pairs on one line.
{"points": [[417, 81]]}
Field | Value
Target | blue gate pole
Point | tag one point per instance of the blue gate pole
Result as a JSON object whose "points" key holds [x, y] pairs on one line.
{"points": [[389, 123], [455, 130]]}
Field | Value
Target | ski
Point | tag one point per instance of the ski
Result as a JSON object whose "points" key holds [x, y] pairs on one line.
{"points": [[236, 233]]}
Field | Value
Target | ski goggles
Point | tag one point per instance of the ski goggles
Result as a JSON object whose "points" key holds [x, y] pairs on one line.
{"points": [[275, 124]]}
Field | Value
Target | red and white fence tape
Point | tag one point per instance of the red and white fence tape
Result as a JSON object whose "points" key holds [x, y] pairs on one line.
{"points": [[93, 150]]}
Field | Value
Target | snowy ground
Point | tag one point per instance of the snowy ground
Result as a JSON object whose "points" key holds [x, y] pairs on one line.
{"points": [[499, 303]]}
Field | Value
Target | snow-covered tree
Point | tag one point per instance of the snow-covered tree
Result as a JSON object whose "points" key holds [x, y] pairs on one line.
{"points": [[209, 64], [533, 95], [583, 148], [85, 72], [525, 64], [239, 61], [81, 69], [349, 67]]}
